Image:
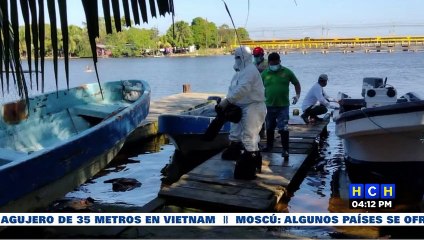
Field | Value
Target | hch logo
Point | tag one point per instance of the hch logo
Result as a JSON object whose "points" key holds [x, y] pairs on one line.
{"points": [[372, 191]]}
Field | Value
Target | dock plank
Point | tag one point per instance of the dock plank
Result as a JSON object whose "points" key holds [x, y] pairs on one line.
{"points": [[183, 196], [226, 189], [211, 184], [216, 175]]}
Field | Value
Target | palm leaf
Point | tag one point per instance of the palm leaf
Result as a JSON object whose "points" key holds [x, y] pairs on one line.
{"points": [[51, 7], [34, 30], [152, 7], [171, 10], [163, 6], [116, 15], [106, 14], [1, 65], [13, 52], [25, 15], [15, 42], [65, 37], [91, 14], [6, 36], [136, 15], [41, 36], [143, 10], [127, 13], [35, 33]]}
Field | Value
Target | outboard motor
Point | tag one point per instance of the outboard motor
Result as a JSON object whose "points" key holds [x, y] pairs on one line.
{"points": [[369, 83], [377, 94], [410, 97]]}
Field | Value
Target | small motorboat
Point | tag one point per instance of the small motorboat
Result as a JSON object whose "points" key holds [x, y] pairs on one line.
{"points": [[64, 138], [383, 135], [186, 130]]}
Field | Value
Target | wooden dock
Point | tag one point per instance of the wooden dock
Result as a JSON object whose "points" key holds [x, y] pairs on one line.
{"points": [[211, 185]]}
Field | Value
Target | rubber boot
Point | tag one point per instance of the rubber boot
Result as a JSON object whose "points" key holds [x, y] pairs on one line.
{"points": [[269, 141], [258, 161], [233, 152], [305, 115], [285, 143], [246, 166]]}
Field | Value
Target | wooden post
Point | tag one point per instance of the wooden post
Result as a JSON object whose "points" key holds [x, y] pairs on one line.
{"points": [[186, 88]]}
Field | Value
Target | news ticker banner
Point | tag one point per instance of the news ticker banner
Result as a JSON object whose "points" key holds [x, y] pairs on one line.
{"points": [[211, 219]]}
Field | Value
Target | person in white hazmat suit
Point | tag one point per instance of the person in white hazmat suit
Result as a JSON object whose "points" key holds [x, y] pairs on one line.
{"points": [[247, 92]]}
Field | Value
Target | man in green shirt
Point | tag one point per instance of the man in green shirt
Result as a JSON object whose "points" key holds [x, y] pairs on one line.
{"points": [[276, 80]]}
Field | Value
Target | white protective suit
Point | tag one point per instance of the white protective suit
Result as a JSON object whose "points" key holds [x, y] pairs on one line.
{"points": [[247, 91]]}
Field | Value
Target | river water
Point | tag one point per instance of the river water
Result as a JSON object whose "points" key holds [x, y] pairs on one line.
{"points": [[325, 183]]}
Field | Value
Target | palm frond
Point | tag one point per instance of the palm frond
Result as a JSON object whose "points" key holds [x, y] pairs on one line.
{"points": [[51, 7], [91, 14], [6, 37], [1, 66], [17, 76], [106, 14], [65, 36], [163, 6], [41, 37], [143, 10], [152, 7], [116, 15], [33, 14], [134, 6], [34, 31], [25, 15], [127, 13]]}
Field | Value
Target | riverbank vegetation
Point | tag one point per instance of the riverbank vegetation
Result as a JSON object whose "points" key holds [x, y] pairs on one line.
{"points": [[201, 36]]}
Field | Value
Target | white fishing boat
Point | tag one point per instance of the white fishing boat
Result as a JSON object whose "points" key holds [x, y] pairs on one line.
{"points": [[383, 135]]}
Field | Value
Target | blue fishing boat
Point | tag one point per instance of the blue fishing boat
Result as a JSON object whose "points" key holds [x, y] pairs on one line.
{"points": [[186, 129], [63, 138]]}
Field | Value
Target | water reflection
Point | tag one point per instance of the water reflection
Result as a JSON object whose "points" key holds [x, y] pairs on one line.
{"points": [[141, 161]]}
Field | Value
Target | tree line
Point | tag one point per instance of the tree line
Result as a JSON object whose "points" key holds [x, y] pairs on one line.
{"points": [[132, 41]]}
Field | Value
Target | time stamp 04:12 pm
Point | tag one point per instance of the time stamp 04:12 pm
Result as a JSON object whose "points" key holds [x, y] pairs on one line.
{"points": [[372, 196]]}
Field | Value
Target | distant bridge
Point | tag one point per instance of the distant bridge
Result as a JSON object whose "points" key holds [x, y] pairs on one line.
{"points": [[345, 45]]}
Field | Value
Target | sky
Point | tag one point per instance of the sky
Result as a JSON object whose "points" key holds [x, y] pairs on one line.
{"points": [[271, 19]]}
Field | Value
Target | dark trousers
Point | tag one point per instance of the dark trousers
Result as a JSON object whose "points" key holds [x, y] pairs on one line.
{"points": [[277, 117], [315, 110]]}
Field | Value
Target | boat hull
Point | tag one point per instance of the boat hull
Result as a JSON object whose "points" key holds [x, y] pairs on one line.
{"points": [[26, 176], [44, 195], [385, 134], [186, 131], [385, 145], [393, 147], [187, 143]]}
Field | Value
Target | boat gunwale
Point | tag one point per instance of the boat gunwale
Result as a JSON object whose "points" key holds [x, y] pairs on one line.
{"points": [[392, 109], [183, 129]]}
